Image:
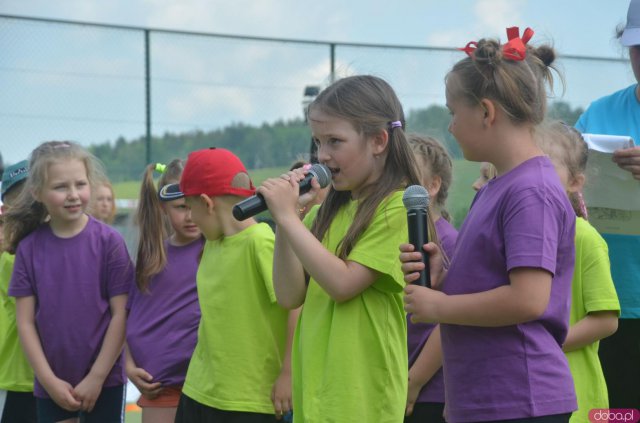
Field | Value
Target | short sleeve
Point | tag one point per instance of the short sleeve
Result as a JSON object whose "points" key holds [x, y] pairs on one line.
{"points": [[120, 271], [532, 229], [21, 284], [377, 248], [598, 291]]}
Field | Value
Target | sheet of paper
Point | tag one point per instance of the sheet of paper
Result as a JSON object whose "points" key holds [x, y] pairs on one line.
{"points": [[612, 194]]}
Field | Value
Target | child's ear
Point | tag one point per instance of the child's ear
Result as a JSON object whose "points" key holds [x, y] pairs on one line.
{"points": [[380, 142], [576, 183], [434, 186], [208, 202], [489, 109], [36, 195]]}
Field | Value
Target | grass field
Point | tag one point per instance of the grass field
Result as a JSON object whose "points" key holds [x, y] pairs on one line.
{"points": [[132, 417], [460, 193]]}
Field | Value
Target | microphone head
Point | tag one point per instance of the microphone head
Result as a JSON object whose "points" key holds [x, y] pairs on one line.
{"points": [[322, 174], [415, 197]]}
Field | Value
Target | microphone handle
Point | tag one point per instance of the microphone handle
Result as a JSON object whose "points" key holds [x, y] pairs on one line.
{"points": [[249, 207], [418, 236], [255, 204]]}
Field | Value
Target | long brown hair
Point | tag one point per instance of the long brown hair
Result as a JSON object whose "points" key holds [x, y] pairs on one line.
{"points": [[26, 214], [154, 226], [370, 105]]}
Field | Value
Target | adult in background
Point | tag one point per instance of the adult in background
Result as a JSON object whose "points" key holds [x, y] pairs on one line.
{"points": [[619, 114]]}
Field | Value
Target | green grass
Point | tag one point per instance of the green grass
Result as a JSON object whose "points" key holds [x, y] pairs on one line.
{"points": [[460, 193], [133, 417], [131, 189]]}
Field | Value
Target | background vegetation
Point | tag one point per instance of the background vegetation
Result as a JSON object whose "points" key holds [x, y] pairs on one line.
{"points": [[269, 150], [270, 145]]}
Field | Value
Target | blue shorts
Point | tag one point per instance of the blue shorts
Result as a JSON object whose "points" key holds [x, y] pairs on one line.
{"points": [[109, 408]]}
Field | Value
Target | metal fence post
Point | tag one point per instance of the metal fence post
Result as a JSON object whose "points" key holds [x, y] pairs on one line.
{"points": [[147, 77]]}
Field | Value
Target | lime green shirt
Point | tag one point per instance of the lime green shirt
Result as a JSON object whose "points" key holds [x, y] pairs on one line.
{"points": [[242, 332], [592, 290], [350, 359], [15, 372]]}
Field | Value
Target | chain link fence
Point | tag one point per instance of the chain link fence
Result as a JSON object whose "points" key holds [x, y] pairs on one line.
{"points": [[97, 83]]}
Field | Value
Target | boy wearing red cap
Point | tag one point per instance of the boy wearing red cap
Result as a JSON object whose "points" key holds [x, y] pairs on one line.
{"points": [[243, 331]]}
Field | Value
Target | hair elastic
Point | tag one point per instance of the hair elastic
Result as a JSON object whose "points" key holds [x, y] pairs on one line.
{"points": [[395, 124], [160, 168], [583, 206]]}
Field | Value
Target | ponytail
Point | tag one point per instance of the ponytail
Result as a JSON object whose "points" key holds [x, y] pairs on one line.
{"points": [[154, 227]]}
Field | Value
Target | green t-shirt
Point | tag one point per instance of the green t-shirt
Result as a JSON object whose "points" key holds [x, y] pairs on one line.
{"points": [[350, 358], [15, 371], [242, 332], [592, 290]]}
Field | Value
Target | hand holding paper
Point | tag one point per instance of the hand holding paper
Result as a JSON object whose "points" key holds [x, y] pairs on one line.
{"points": [[629, 160], [611, 192]]}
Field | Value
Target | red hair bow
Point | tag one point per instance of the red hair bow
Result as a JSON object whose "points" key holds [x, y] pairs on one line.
{"points": [[469, 48], [514, 49]]}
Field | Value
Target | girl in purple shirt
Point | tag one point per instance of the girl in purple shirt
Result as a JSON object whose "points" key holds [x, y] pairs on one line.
{"points": [[425, 396], [71, 278], [164, 314], [503, 304]]}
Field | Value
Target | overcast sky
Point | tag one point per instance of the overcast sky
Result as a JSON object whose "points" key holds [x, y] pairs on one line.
{"points": [[575, 27], [582, 27]]}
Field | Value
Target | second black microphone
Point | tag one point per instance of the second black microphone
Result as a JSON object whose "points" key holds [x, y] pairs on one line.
{"points": [[416, 201]]}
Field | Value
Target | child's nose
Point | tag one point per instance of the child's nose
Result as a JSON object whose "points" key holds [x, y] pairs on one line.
{"points": [[323, 155]]}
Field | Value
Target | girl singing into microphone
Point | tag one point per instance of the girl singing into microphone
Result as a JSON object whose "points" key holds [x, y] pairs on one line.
{"points": [[350, 346]]}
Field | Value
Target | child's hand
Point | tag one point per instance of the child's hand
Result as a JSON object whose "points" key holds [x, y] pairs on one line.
{"points": [[281, 395], [423, 303], [281, 195], [143, 381], [308, 197], [412, 263], [62, 394], [88, 391]]}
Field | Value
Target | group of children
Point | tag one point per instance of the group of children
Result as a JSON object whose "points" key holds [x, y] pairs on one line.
{"points": [[224, 321]]}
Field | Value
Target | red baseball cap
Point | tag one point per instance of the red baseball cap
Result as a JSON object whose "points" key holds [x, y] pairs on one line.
{"points": [[211, 172]]}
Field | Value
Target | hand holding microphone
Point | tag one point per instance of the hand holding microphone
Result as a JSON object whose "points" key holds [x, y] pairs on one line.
{"points": [[416, 201], [256, 204]]}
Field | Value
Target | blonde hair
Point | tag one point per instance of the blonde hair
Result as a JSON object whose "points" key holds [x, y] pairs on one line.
{"points": [[26, 214], [112, 215], [370, 105], [437, 162], [154, 225], [517, 87], [565, 144]]}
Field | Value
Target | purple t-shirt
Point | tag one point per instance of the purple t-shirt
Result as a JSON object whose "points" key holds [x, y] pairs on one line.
{"points": [[162, 328], [72, 280], [520, 219], [418, 333]]}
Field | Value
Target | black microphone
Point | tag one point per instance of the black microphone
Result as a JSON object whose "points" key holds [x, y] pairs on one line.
{"points": [[416, 201], [256, 203]]}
